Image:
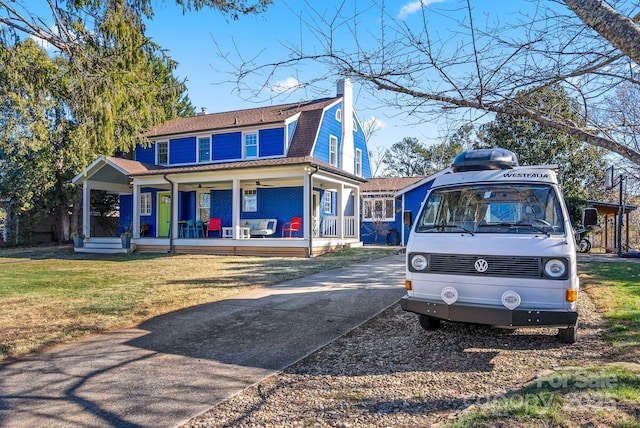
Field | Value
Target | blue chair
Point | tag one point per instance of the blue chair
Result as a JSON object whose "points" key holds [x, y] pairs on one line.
{"points": [[191, 229], [200, 230]]}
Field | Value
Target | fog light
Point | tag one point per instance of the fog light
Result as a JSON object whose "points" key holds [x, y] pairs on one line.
{"points": [[407, 284], [571, 294], [511, 300], [449, 295]]}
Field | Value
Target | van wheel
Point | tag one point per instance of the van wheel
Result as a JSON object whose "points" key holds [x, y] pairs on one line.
{"points": [[568, 335], [429, 323]]}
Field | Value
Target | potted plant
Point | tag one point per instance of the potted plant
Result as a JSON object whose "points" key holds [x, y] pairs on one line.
{"points": [[126, 239], [78, 239]]}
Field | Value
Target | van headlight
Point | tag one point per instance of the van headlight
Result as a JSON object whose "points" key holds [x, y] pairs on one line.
{"points": [[418, 262], [555, 268]]}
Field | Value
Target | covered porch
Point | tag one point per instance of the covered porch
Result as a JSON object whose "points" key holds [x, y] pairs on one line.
{"points": [[156, 203]]}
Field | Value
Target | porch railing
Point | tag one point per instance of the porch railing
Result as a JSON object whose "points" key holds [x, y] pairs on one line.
{"points": [[330, 227]]}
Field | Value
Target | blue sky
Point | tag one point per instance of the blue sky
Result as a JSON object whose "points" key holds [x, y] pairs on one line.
{"points": [[195, 40], [189, 39]]}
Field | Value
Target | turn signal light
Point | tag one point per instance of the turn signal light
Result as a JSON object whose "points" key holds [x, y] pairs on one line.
{"points": [[407, 284], [571, 295]]}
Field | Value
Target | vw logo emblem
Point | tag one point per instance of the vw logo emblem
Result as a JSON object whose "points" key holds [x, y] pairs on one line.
{"points": [[481, 265]]}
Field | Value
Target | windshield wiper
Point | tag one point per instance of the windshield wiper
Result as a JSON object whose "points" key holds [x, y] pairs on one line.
{"points": [[443, 226], [525, 224]]}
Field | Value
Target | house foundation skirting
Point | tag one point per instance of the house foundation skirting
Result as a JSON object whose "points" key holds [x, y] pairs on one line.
{"points": [[294, 247]]}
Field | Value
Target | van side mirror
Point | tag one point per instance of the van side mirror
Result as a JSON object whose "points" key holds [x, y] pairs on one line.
{"points": [[408, 218], [589, 217]]}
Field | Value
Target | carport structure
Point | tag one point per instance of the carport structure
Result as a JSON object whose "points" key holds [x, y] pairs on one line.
{"points": [[612, 210]]}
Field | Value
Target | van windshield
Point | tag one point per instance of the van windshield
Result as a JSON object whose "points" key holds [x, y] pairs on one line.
{"points": [[492, 208]]}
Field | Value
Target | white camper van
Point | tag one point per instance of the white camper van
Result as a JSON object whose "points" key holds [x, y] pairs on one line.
{"points": [[493, 245]]}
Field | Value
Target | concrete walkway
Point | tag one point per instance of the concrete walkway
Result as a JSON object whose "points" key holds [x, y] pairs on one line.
{"points": [[173, 367]]}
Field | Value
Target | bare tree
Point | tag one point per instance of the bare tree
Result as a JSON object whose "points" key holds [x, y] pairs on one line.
{"points": [[476, 62]]}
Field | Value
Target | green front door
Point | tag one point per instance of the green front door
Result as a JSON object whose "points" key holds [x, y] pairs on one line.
{"points": [[164, 214]]}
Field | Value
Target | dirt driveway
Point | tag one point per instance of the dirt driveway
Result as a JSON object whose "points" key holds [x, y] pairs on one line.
{"points": [[390, 372]]}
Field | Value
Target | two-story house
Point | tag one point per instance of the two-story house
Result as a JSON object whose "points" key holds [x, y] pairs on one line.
{"points": [[277, 180]]}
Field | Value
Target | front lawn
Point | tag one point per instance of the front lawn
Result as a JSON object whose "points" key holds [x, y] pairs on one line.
{"points": [[609, 393], [52, 296]]}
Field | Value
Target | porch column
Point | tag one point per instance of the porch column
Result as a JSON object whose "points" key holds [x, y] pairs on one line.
{"points": [[173, 230], [86, 209], [235, 209], [136, 211], [342, 206], [307, 215], [356, 210]]}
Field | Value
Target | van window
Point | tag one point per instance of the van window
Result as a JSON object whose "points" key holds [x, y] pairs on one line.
{"points": [[492, 208]]}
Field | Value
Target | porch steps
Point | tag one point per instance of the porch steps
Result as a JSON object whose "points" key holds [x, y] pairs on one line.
{"points": [[104, 246]]}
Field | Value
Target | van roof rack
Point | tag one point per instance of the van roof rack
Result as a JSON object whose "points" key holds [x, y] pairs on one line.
{"points": [[484, 159]]}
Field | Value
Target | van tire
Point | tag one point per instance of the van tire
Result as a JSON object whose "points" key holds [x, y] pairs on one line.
{"points": [[569, 334], [429, 323]]}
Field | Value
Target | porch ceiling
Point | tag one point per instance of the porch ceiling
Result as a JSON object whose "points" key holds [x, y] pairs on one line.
{"points": [[108, 174]]}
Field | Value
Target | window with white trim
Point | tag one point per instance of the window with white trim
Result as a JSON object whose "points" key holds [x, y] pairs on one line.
{"points": [[145, 203], [378, 209], [339, 115], [250, 145], [204, 205], [333, 150], [249, 200], [359, 162], [162, 153], [328, 201], [204, 149]]}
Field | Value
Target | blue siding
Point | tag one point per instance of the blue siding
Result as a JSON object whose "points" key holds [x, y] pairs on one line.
{"points": [[145, 154], [151, 219], [227, 146], [281, 203], [328, 126], [271, 142], [182, 150], [187, 206], [126, 213], [221, 206]]}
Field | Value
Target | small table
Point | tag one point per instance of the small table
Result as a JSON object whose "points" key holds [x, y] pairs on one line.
{"points": [[243, 232], [227, 232]]}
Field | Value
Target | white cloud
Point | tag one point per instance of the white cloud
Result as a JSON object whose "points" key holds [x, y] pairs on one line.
{"points": [[286, 85], [415, 6]]}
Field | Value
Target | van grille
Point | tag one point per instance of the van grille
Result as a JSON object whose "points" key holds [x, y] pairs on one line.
{"points": [[521, 267]]}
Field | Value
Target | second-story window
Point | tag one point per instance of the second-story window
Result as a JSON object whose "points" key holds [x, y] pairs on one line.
{"points": [[204, 149], [251, 145], [333, 150], [162, 153], [359, 162]]}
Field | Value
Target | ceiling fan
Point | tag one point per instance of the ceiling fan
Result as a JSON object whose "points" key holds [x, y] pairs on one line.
{"points": [[200, 186], [263, 185]]}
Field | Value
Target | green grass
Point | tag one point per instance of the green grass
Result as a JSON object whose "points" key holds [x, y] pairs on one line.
{"points": [[593, 396], [51, 296], [615, 287]]}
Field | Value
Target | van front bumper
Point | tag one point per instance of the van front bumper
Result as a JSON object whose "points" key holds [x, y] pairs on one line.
{"points": [[499, 317]]}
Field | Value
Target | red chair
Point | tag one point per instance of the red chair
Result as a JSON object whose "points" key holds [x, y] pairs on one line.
{"points": [[214, 225], [292, 226]]}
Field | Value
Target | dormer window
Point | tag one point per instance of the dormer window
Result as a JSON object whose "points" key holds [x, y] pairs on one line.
{"points": [[250, 149], [339, 115], [162, 153], [204, 149]]}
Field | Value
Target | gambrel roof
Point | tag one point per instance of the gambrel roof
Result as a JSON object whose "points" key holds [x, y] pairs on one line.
{"points": [[225, 121]]}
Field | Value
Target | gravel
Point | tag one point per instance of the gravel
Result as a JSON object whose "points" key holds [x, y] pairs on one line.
{"points": [[390, 372]]}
